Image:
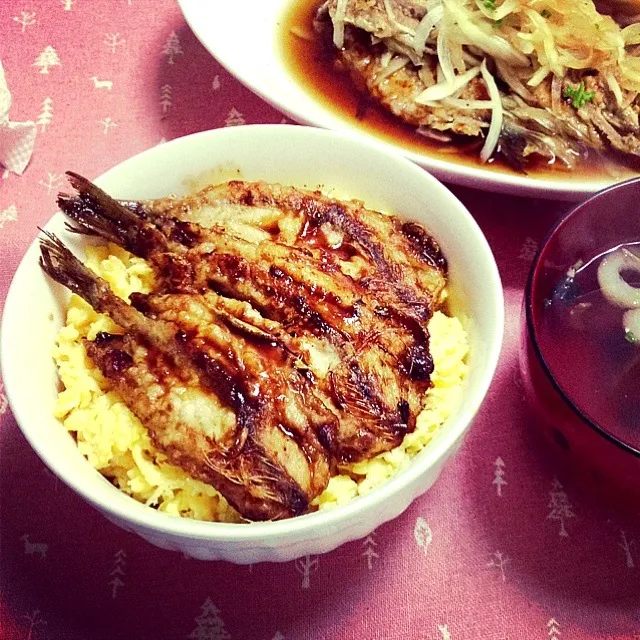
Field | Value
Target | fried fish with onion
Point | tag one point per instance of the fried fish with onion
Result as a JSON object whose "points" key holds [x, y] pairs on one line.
{"points": [[531, 78]]}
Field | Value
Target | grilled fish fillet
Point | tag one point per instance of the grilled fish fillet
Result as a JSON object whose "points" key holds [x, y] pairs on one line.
{"points": [[302, 318]]}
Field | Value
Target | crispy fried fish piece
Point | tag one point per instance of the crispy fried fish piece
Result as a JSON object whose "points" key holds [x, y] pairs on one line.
{"points": [[378, 34]]}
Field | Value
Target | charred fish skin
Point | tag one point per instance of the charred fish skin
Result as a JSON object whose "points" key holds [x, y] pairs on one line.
{"points": [[376, 322], [303, 316], [199, 409], [380, 239]]}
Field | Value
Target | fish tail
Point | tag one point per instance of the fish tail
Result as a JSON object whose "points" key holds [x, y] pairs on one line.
{"points": [[60, 264], [97, 213]]}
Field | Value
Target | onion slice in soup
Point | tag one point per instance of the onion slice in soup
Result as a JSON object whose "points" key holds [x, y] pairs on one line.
{"points": [[631, 324], [614, 287]]}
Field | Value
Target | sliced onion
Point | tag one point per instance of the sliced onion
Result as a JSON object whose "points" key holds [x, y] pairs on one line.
{"points": [[614, 287], [430, 20], [338, 23], [444, 54], [631, 34], [538, 76], [507, 7], [395, 65], [496, 115], [556, 93], [548, 42], [445, 89], [495, 46], [394, 22], [631, 324], [385, 58], [615, 88], [457, 56]]}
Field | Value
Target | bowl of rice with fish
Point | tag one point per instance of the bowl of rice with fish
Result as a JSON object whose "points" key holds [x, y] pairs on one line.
{"points": [[251, 360]]}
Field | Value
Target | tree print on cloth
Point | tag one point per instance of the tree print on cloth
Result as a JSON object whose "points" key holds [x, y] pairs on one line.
{"points": [[305, 567], [369, 552], [166, 101], [498, 475], [627, 546], [560, 506], [209, 624], [499, 560], [553, 629], [422, 534], [53, 182], [46, 114], [48, 58], [117, 574], [113, 41], [528, 250], [10, 214], [107, 124], [172, 48], [234, 118]]}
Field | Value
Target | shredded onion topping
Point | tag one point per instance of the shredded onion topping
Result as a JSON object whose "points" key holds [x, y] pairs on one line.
{"points": [[338, 23], [530, 44], [446, 88], [496, 115]]}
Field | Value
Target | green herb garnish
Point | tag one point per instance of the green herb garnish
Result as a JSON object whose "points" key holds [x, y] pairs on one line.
{"points": [[545, 13], [631, 337], [490, 5], [578, 95]]}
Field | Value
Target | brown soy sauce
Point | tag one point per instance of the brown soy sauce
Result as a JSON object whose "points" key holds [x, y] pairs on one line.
{"points": [[311, 59], [584, 344]]}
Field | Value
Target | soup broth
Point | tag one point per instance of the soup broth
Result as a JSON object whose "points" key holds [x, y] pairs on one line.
{"points": [[593, 360]]}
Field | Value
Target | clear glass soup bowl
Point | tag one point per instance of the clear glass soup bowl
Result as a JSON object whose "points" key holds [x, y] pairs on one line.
{"points": [[587, 405]]}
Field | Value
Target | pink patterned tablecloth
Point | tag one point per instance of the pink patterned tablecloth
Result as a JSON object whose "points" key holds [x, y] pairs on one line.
{"points": [[477, 557]]}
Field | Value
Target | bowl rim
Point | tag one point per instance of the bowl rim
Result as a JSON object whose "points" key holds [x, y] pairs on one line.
{"points": [[142, 517], [530, 324]]}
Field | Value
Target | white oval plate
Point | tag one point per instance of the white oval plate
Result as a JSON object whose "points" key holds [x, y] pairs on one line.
{"points": [[242, 36]]}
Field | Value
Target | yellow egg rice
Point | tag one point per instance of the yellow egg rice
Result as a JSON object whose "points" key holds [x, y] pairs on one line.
{"points": [[116, 443]]}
